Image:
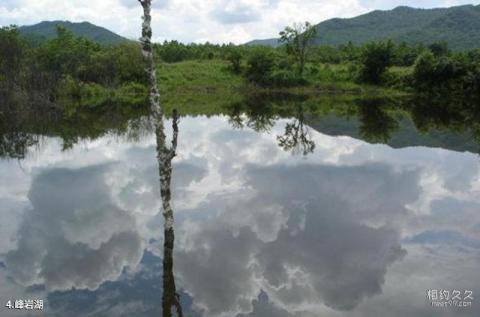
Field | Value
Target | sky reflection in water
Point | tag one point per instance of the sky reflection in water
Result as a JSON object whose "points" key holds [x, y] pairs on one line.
{"points": [[352, 229]]}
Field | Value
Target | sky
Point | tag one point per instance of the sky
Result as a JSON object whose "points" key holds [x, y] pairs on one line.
{"points": [[216, 21]]}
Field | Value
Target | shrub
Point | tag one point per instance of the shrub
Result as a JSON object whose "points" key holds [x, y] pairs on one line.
{"points": [[235, 59], [448, 76], [375, 59], [259, 66], [433, 73]]}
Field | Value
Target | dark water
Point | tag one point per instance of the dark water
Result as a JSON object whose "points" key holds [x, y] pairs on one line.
{"points": [[299, 216]]}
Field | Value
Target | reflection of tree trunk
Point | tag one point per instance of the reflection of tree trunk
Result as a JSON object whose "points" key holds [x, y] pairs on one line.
{"points": [[170, 296], [165, 155]]}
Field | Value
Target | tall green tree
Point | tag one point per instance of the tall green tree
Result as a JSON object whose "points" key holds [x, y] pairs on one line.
{"points": [[12, 51], [298, 39]]}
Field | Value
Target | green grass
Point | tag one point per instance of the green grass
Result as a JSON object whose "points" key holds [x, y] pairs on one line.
{"points": [[197, 77], [198, 87], [194, 84]]}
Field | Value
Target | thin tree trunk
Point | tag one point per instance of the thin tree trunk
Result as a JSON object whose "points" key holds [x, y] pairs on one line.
{"points": [[165, 156], [147, 51], [171, 299]]}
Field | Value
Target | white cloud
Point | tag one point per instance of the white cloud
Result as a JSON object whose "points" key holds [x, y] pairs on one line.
{"points": [[61, 228]]}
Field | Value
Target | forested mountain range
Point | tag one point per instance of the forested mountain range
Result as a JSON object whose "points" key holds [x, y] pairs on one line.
{"points": [[459, 26]]}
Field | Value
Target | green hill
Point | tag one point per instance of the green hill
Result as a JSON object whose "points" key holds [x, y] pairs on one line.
{"points": [[47, 29], [459, 26]]}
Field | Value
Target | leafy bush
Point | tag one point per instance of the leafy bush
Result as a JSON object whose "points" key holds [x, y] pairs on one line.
{"points": [[115, 65], [447, 75], [235, 59], [284, 62], [431, 72], [260, 65], [405, 55], [375, 59]]}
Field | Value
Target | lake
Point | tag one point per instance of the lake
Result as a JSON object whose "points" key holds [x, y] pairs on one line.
{"points": [[356, 211]]}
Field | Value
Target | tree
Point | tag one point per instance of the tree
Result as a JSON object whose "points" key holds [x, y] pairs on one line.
{"points": [[405, 55], [165, 155], [66, 54], [298, 39], [446, 74], [235, 59], [260, 65], [376, 58], [423, 74], [12, 50]]}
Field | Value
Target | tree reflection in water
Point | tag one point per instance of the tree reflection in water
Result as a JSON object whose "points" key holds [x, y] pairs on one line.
{"points": [[14, 139], [165, 154], [377, 125], [297, 138], [261, 113]]}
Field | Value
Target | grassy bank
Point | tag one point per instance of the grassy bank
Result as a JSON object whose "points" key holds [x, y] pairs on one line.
{"points": [[208, 87], [213, 77]]}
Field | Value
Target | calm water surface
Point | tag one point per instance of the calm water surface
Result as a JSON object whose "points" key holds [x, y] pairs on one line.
{"points": [[266, 224]]}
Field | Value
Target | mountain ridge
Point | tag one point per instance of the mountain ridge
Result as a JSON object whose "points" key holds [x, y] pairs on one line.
{"points": [[458, 25], [47, 29]]}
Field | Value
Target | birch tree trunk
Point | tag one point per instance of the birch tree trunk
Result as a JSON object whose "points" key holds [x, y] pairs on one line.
{"points": [[165, 155], [147, 51], [171, 299]]}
